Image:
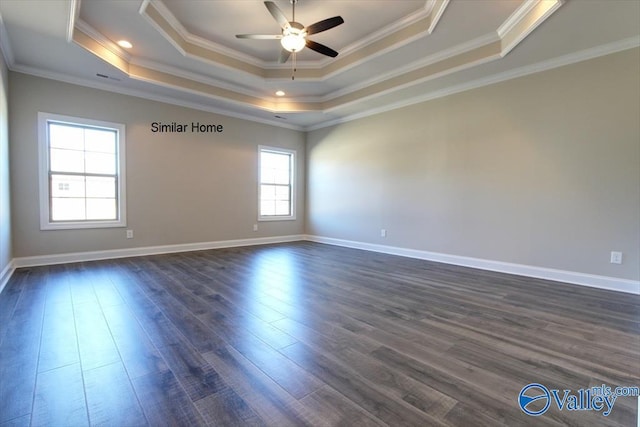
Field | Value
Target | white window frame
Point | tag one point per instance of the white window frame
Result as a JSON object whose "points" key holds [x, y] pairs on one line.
{"points": [[292, 180], [45, 195]]}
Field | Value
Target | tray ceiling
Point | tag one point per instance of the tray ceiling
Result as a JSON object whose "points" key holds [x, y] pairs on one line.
{"points": [[391, 53]]}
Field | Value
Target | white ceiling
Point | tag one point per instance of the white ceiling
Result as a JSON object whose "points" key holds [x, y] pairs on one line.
{"points": [[391, 53]]}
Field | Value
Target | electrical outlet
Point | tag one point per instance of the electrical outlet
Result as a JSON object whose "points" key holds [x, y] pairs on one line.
{"points": [[616, 257], [383, 232], [255, 227], [129, 234]]}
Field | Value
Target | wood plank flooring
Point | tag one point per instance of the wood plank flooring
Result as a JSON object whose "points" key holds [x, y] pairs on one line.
{"points": [[304, 334]]}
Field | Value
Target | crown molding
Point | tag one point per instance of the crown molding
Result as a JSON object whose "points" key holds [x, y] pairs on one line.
{"points": [[412, 30], [516, 17], [425, 13], [98, 37], [163, 21], [178, 72], [100, 85], [561, 61], [105, 49], [598, 51], [480, 50], [437, 9], [180, 29], [417, 65], [483, 49], [5, 45], [520, 24], [524, 20], [480, 55], [72, 17], [416, 25]]}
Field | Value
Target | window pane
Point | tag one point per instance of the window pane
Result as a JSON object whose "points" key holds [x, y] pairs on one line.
{"points": [[275, 168], [267, 207], [276, 160], [100, 163], [284, 162], [269, 160], [101, 209], [101, 187], [67, 209], [275, 180], [67, 186], [81, 178], [267, 175], [282, 208], [65, 136], [67, 160], [282, 177], [100, 140], [282, 193], [268, 192]]}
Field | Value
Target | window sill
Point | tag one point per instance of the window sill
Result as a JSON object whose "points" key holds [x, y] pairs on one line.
{"points": [[82, 225], [276, 218]]}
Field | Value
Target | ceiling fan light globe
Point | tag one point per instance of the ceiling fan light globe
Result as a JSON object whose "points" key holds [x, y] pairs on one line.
{"points": [[292, 40]]}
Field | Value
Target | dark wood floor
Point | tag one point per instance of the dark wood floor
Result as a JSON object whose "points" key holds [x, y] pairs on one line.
{"points": [[304, 334]]}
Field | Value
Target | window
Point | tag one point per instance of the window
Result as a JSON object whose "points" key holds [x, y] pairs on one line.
{"points": [[276, 190], [82, 182]]}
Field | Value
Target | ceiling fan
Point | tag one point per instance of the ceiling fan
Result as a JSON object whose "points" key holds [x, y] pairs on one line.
{"points": [[294, 35]]}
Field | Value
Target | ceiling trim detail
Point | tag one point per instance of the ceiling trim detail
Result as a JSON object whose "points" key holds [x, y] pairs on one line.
{"points": [[393, 36], [487, 48], [5, 46], [561, 61], [145, 95], [471, 46], [195, 47], [572, 58], [524, 20], [161, 18], [72, 17], [433, 10]]}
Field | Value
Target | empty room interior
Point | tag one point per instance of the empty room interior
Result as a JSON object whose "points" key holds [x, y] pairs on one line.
{"points": [[320, 213]]}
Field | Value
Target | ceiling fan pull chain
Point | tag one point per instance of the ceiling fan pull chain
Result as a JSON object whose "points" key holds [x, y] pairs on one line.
{"points": [[293, 67]]}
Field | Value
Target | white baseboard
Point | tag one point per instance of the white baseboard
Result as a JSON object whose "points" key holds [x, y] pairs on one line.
{"points": [[594, 281], [33, 261], [601, 282], [6, 274]]}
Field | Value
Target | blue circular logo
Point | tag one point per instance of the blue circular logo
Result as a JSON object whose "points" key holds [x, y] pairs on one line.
{"points": [[533, 397]]}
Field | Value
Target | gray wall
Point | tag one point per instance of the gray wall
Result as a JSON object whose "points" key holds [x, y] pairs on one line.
{"points": [[5, 208], [542, 170], [181, 188]]}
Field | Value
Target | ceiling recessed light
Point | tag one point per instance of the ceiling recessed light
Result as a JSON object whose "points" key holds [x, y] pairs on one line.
{"points": [[125, 44], [280, 93]]}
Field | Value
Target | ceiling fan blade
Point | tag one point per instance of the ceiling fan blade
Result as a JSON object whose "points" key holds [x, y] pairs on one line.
{"points": [[324, 25], [284, 55], [277, 14], [320, 48], [259, 36]]}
